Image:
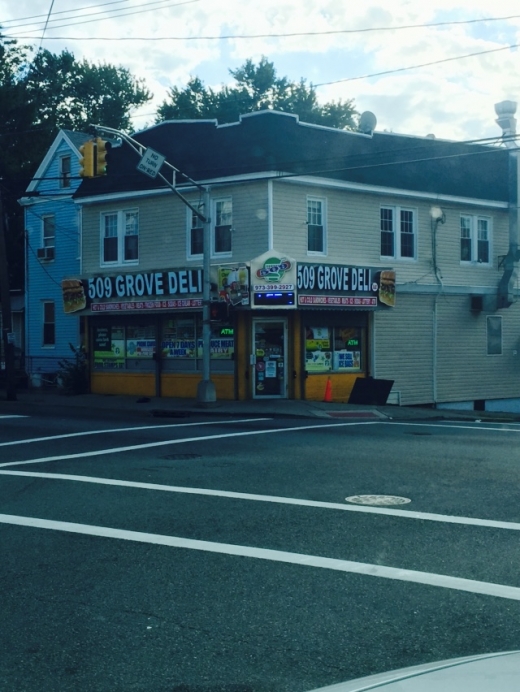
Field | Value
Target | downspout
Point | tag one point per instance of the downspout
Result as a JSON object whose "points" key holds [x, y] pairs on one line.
{"points": [[270, 223], [506, 287], [437, 216]]}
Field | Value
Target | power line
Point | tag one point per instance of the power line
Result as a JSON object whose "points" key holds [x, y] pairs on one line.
{"points": [[415, 67], [37, 16], [122, 13], [46, 23], [275, 35]]}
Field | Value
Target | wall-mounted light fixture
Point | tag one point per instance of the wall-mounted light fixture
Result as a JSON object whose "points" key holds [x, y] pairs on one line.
{"points": [[437, 214]]}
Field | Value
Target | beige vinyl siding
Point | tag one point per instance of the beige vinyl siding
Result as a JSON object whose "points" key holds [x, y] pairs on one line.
{"points": [[464, 370], [163, 228], [353, 234], [403, 347]]}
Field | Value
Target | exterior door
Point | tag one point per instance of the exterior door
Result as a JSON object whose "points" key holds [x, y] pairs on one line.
{"points": [[269, 358]]}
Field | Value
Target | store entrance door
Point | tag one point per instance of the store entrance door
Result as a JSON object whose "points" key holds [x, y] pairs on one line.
{"points": [[269, 359]]}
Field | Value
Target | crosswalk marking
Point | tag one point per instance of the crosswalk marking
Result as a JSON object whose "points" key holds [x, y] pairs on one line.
{"points": [[301, 560]]}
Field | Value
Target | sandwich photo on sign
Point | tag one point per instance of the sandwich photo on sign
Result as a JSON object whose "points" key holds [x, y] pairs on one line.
{"points": [[74, 298]]}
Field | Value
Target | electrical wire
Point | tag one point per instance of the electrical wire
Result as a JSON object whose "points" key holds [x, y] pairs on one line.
{"points": [[37, 16], [122, 13], [41, 263], [415, 67], [46, 23], [294, 34]]}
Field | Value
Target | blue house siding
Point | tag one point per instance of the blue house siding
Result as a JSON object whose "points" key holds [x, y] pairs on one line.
{"points": [[46, 196]]}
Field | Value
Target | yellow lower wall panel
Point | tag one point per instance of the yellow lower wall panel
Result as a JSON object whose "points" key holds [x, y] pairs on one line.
{"points": [[185, 386], [134, 384], [315, 386]]}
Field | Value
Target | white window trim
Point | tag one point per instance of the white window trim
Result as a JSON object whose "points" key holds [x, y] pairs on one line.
{"points": [[120, 237], [48, 216], [189, 215], [214, 253], [474, 241], [397, 209], [69, 174], [323, 201]]}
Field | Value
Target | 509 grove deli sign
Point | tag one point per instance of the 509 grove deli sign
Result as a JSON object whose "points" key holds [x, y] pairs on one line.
{"points": [[340, 285], [181, 288]]}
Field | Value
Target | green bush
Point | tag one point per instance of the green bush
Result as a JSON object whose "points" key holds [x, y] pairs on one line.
{"points": [[74, 372]]}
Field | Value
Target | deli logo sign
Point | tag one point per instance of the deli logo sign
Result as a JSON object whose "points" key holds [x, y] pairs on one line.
{"points": [[181, 282]]}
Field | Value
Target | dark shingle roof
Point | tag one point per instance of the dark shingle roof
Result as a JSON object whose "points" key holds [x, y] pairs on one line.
{"points": [[272, 141]]}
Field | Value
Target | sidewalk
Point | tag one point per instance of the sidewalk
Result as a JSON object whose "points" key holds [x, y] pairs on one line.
{"points": [[34, 399]]}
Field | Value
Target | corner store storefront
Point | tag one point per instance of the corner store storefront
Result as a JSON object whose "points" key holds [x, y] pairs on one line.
{"points": [[280, 329]]}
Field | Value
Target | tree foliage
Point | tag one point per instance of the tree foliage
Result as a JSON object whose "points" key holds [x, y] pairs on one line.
{"points": [[257, 87], [41, 94]]}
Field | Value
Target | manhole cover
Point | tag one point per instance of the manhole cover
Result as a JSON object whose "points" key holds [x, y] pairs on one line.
{"points": [[377, 500], [177, 457]]}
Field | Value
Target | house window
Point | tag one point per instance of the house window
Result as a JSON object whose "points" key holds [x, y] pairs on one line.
{"points": [[65, 171], [494, 335], [49, 323], [223, 225], [315, 225], [475, 239], [195, 234], [48, 231], [120, 237], [398, 232]]}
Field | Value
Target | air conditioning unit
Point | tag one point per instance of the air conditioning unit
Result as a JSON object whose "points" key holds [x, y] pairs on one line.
{"points": [[45, 253], [477, 303]]}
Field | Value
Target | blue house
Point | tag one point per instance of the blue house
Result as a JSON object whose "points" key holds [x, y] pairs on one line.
{"points": [[53, 250]]}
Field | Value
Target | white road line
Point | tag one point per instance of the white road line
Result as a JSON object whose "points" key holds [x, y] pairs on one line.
{"points": [[163, 443], [13, 416], [481, 428], [117, 430], [251, 497], [395, 573]]}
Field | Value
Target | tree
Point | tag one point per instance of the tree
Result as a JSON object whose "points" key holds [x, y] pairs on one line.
{"points": [[257, 88], [38, 97]]}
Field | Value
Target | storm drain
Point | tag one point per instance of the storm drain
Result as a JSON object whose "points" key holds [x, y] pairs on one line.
{"points": [[377, 500]]}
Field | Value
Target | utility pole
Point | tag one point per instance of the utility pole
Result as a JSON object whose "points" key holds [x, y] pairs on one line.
{"points": [[5, 299], [206, 393]]}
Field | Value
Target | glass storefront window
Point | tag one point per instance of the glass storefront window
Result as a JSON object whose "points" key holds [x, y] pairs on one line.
{"points": [[333, 349], [140, 341], [109, 348], [178, 337]]}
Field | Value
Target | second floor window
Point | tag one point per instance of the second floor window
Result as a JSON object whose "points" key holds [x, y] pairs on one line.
{"points": [[48, 231], [222, 228], [398, 232], [195, 234], [475, 239], [120, 237], [315, 225]]}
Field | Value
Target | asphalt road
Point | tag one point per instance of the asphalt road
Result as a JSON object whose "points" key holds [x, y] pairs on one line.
{"points": [[221, 555]]}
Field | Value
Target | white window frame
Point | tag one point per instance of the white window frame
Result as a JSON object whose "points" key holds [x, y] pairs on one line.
{"points": [[47, 239], [65, 175], [190, 219], [44, 304], [214, 217], [499, 321], [473, 226], [122, 216], [397, 212], [312, 216]]}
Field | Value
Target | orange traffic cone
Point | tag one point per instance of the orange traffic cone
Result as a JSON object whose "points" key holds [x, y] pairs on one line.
{"points": [[328, 391]]}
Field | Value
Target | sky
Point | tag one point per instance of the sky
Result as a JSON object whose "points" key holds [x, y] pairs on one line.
{"points": [[345, 44]]}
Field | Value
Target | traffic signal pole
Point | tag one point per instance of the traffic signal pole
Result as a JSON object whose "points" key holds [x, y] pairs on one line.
{"points": [[206, 394], [5, 299]]}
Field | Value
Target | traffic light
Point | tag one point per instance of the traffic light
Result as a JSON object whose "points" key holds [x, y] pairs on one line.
{"points": [[86, 161], [218, 311], [101, 156]]}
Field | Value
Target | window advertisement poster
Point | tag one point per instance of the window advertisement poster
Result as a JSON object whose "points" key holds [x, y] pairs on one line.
{"points": [[233, 285], [140, 342], [318, 355], [109, 348]]}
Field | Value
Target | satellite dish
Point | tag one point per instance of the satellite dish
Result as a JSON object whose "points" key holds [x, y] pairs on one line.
{"points": [[367, 122]]}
